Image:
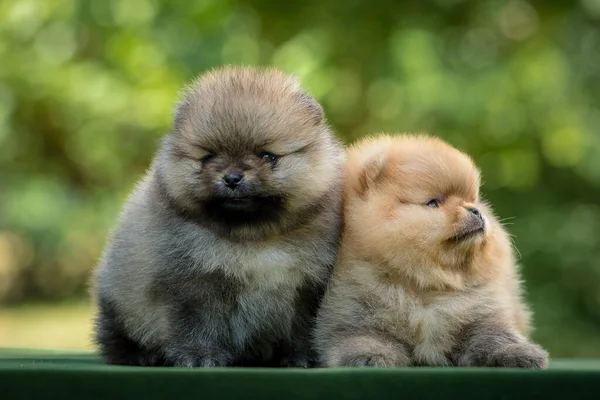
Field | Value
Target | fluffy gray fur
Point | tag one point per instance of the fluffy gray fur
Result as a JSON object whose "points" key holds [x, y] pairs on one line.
{"points": [[184, 284]]}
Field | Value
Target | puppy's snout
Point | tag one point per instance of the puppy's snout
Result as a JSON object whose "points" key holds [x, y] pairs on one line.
{"points": [[232, 179], [475, 212]]}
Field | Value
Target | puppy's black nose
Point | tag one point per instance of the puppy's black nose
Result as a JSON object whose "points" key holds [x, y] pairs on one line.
{"points": [[475, 211], [232, 179]]}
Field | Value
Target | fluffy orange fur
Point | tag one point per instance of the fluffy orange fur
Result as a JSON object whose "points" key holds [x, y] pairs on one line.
{"points": [[403, 174], [425, 268]]}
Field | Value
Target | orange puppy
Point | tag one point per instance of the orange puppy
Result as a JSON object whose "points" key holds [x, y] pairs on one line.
{"points": [[426, 273]]}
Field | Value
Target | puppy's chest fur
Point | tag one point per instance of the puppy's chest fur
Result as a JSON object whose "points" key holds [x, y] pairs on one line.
{"points": [[266, 278], [430, 325], [261, 266], [255, 285]]}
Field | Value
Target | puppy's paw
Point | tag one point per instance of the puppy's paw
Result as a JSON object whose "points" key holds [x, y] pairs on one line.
{"points": [[520, 355], [367, 351], [372, 360], [198, 359], [198, 362], [151, 360]]}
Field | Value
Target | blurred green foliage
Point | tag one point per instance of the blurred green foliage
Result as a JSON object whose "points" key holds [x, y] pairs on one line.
{"points": [[87, 88]]}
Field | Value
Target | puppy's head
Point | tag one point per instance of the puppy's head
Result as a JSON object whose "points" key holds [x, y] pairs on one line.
{"points": [[250, 153], [414, 202]]}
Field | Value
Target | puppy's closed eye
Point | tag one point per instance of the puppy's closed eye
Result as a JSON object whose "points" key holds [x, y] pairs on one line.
{"points": [[434, 203], [207, 158]]}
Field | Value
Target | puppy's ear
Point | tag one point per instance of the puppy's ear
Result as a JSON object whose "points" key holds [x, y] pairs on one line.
{"points": [[371, 172], [312, 106]]}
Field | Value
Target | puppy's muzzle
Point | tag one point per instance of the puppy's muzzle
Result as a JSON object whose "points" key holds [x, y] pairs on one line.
{"points": [[474, 225]]}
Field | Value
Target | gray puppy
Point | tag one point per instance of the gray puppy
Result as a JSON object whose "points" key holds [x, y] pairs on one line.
{"points": [[224, 249]]}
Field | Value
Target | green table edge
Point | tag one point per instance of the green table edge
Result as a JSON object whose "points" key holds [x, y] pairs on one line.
{"points": [[65, 374]]}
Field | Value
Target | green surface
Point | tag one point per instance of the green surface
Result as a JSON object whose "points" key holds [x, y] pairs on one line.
{"points": [[30, 374]]}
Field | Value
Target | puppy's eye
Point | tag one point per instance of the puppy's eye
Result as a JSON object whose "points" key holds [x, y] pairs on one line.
{"points": [[207, 158], [268, 157], [433, 203]]}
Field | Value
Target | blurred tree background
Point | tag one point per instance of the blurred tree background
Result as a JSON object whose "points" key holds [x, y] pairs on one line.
{"points": [[87, 88]]}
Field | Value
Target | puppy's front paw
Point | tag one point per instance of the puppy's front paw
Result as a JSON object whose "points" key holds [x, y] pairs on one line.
{"points": [[198, 362], [520, 355], [368, 351], [371, 360], [198, 359], [151, 360]]}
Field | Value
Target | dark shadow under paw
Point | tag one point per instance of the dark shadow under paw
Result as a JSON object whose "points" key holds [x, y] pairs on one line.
{"points": [[295, 362]]}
